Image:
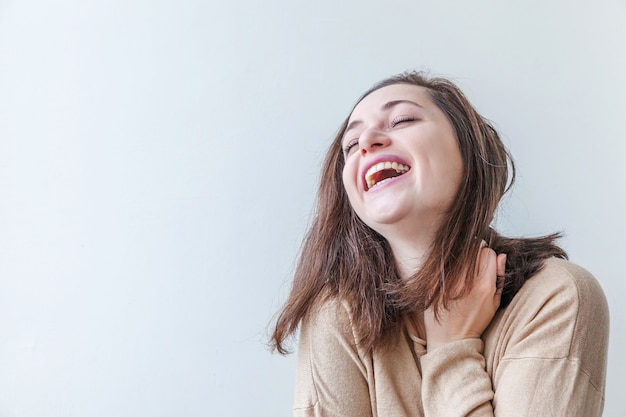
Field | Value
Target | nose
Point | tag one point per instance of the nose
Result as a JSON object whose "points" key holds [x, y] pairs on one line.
{"points": [[372, 139]]}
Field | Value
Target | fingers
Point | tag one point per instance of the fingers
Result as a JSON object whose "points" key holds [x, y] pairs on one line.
{"points": [[501, 264], [487, 262], [491, 271], [470, 315], [501, 271], [497, 296], [486, 256]]}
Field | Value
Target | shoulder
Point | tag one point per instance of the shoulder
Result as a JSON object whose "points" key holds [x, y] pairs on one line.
{"points": [[561, 289], [547, 350], [329, 316], [566, 287], [327, 357], [559, 313], [327, 330], [571, 291]]}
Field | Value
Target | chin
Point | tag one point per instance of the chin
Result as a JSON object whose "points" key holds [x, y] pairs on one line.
{"points": [[383, 220]]}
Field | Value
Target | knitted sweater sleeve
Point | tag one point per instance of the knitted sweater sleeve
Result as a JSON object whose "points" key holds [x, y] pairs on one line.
{"points": [[455, 382], [544, 355], [331, 378]]}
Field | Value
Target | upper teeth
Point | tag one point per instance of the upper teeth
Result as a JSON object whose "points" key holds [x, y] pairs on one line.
{"points": [[400, 169]]}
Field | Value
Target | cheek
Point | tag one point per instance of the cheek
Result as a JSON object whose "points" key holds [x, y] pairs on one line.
{"points": [[457, 164], [447, 171], [348, 178], [455, 174], [350, 185]]}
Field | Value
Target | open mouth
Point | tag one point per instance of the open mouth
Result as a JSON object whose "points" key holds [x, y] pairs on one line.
{"points": [[383, 172]]}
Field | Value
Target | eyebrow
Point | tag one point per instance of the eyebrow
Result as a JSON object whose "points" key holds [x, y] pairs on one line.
{"points": [[385, 107]]}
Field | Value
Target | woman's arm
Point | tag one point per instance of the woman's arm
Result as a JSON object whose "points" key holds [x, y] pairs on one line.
{"points": [[546, 354], [331, 379], [455, 380], [554, 343]]}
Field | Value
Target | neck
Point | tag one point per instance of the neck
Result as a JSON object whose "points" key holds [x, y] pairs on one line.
{"points": [[410, 242], [409, 254]]}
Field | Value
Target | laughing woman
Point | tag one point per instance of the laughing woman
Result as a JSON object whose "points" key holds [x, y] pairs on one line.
{"points": [[408, 302]]}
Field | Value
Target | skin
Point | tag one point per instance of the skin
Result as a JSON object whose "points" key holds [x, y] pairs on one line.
{"points": [[401, 123]]}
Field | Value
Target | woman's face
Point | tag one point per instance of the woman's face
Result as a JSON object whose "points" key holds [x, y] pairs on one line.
{"points": [[402, 161]]}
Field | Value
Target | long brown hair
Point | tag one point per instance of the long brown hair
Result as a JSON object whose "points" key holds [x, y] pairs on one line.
{"points": [[343, 257]]}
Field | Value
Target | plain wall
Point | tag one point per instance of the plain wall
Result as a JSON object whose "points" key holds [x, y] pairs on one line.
{"points": [[159, 160]]}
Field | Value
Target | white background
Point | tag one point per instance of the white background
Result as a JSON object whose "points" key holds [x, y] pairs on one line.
{"points": [[159, 160]]}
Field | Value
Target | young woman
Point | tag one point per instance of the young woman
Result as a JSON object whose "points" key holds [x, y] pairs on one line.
{"points": [[408, 302]]}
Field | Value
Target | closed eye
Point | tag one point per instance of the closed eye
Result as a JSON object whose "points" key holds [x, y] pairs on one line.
{"points": [[402, 119], [350, 146]]}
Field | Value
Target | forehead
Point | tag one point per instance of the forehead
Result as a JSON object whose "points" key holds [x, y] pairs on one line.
{"points": [[374, 101]]}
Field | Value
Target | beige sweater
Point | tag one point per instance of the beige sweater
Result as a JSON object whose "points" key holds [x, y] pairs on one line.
{"points": [[543, 355]]}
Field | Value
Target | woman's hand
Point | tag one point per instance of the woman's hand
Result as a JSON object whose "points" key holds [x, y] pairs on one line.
{"points": [[469, 316]]}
